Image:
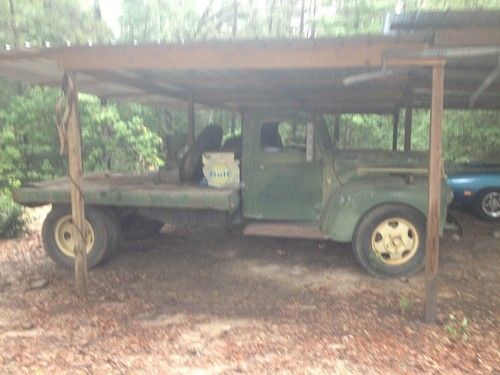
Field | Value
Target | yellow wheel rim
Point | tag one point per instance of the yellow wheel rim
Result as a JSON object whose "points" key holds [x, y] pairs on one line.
{"points": [[64, 233], [395, 241]]}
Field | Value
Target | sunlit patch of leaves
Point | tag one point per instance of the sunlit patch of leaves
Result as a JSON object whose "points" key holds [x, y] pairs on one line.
{"points": [[457, 329], [13, 221], [405, 304]]}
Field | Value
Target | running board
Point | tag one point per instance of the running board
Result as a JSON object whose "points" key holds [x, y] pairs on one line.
{"points": [[271, 229]]}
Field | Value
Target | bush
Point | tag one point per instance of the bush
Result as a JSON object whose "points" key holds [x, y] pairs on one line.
{"points": [[12, 219]]}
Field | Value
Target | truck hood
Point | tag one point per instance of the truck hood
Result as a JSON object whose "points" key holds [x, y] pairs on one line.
{"points": [[352, 163]]}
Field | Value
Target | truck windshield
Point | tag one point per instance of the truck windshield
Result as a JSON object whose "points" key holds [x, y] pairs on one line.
{"points": [[276, 136]]}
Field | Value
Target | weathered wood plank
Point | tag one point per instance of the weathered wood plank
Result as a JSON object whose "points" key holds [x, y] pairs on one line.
{"points": [[75, 187], [291, 54], [473, 36], [408, 127], [191, 134], [395, 126], [434, 204]]}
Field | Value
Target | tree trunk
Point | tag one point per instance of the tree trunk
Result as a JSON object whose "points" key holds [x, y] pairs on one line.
{"points": [[107, 133], [97, 10], [270, 20], [302, 13], [168, 141], [235, 17], [313, 19], [13, 24]]}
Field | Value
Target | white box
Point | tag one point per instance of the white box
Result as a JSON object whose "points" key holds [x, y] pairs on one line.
{"points": [[221, 170]]}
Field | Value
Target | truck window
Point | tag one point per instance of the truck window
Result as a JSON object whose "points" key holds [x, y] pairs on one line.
{"points": [[364, 132], [278, 136]]}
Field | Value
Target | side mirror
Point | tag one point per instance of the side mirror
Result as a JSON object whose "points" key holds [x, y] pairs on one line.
{"points": [[310, 142]]}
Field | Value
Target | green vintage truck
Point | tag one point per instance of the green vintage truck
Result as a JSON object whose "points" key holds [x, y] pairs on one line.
{"points": [[294, 184]]}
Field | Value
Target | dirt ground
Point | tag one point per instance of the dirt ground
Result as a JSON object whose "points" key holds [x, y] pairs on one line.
{"points": [[208, 302]]}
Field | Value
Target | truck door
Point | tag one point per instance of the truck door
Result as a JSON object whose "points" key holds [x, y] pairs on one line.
{"points": [[286, 176]]}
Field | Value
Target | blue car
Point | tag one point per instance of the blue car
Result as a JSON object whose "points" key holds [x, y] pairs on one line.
{"points": [[477, 186]]}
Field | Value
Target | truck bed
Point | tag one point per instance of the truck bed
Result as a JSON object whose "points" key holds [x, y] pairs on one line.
{"points": [[153, 190]]}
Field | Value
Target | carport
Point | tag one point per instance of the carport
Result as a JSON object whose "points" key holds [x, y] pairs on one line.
{"points": [[425, 60]]}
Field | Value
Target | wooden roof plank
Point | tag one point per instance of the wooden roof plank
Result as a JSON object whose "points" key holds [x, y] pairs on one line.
{"points": [[248, 55]]}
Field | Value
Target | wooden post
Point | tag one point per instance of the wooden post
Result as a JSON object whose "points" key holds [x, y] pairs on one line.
{"points": [[435, 181], [336, 130], [242, 119], [75, 176], [191, 129], [233, 123], [408, 126], [395, 125]]}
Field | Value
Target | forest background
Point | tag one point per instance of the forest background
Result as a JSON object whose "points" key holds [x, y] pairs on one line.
{"points": [[133, 138]]}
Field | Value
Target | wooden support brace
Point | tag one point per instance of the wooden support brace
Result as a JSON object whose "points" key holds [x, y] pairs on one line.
{"points": [[191, 124], [395, 126], [233, 123], [336, 130], [408, 126], [75, 176], [435, 181], [484, 86]]}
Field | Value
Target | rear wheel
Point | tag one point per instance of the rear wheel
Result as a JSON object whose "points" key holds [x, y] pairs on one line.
{"points": [[102, 233], [487, 205], [389, 241]]}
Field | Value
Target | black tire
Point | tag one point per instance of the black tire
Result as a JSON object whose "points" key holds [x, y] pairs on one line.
{"points": [[482, 199], [106, 236], [115, 233], [367, 235], [138, 228]]}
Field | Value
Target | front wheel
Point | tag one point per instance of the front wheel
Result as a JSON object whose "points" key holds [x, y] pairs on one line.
{"points": [[389, 241], [487, 205], [102, 233]]}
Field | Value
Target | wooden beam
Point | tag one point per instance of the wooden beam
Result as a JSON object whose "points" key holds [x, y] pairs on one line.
{"points": [[408, 126], [336, 130], [408, 117], [475, 36], [434, 203], [233, 122], [191, 124], [424, 101], [382, 108], [348, 95], [136, 82], [400, 61], [395, 126], [487, 83], [76, 185], [295, 54]]}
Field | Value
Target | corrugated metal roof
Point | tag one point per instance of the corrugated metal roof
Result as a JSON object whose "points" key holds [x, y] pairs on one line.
{"points": [[447, 19], [302, 74]]}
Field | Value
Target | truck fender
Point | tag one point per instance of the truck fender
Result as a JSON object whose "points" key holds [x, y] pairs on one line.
{"points": [[345, 207]]}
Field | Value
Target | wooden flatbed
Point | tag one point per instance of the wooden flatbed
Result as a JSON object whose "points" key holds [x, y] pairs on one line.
{"points": [[151, 190]]}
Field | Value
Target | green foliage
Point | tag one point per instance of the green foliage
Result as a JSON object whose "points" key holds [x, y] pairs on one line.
{"points": [[467, 135], [472, 136], [405, 304], [50, 20], [116, 143], [30, 148], [457, 328], [28, 138], [365, 132], [12, 219]]}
